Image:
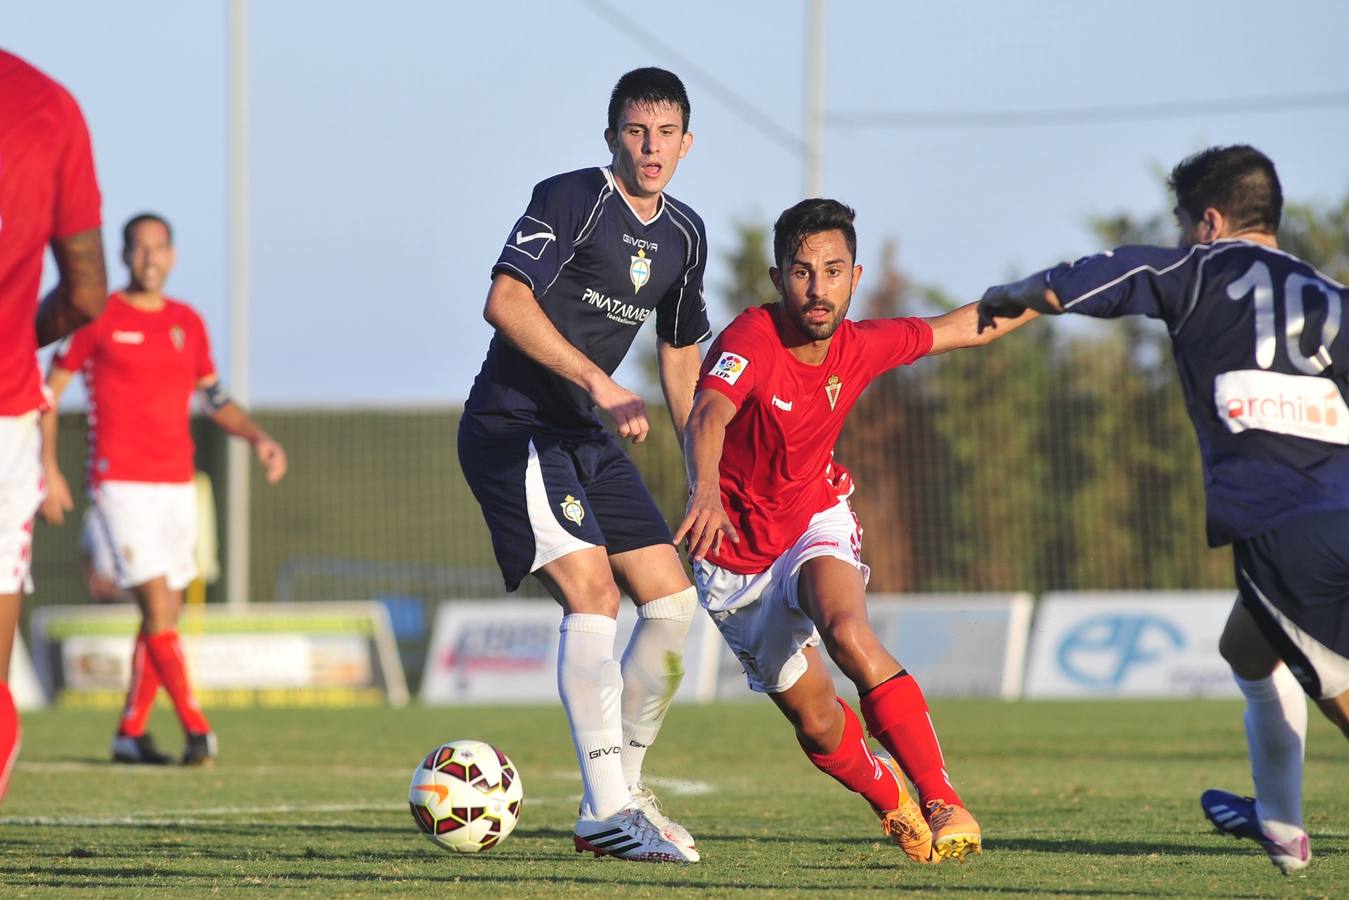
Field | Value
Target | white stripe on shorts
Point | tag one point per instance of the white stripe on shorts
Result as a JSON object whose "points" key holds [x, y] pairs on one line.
{"points": [[551, 540], [1331, 668]]}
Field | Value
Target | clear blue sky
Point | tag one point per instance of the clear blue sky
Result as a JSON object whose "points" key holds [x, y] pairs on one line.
{"points": [[394, 143]]}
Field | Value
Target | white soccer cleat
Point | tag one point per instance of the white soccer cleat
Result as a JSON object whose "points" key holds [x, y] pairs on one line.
{"points": [[1236, 816], [645, 800], [629, 834]]}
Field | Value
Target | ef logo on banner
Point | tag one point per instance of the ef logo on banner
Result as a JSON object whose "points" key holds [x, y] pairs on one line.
{"points": [[1100, 652]]}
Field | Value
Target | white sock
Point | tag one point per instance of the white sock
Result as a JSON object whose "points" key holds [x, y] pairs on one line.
{"points": [[653, 666], [1276, 735], [590, 682]]}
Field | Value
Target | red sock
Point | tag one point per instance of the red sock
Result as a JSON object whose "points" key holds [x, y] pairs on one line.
{"points": [[897, 716], [140, 695], [167, 654], [10, 736], [853, 766]]}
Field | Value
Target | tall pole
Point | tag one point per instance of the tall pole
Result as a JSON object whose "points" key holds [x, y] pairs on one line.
{"points": [[237, 459], [814, 112]]}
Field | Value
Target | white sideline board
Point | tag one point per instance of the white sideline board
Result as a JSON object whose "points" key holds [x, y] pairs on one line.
{"points": [[502, 651], [1129, 644], [275, 654]]}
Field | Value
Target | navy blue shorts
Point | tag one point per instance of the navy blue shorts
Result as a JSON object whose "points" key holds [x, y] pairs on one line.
{"points": [[1294, 580], [545, 496]]}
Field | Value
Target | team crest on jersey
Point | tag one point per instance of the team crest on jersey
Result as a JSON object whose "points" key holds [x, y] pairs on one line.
{"points": [[178, 337], [572, 510], [639, 271], [831, 388]]}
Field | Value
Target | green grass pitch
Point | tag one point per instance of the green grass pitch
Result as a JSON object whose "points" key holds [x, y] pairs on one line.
{"points": [[1076, 799]]}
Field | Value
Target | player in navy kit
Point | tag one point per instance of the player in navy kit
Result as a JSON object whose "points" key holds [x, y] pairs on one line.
{"points": [[596, 253], [1263, 361]]}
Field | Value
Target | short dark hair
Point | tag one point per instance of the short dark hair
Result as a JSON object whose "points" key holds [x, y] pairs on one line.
{"points": [[811, 217], [648, 87], [141, 219], [1238, 181]]}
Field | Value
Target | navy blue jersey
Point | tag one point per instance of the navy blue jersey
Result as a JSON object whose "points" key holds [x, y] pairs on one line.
{"points": [[1263, 362], [598, 271]]}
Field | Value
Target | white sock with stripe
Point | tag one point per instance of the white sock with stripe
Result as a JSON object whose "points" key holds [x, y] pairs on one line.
{"points": [[1276, 735], [653, 666], [590, 682]]}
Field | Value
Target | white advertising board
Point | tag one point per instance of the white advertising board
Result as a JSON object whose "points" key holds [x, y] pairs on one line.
{"points": [[281, 654], [1129, 644], [505, 651], [955, 645]]}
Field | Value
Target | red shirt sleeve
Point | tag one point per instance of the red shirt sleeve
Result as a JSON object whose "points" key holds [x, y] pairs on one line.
{"points": [[887, 343], [72, 352], [739, 359], [78, 200], [205, 365]]}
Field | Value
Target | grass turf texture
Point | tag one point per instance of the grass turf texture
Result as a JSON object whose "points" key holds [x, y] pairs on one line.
{"points": [[1075, 800]]}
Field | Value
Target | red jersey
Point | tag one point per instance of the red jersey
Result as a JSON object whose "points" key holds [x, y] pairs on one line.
{"points": [[47, 190], [776, 465], [140, 369]]}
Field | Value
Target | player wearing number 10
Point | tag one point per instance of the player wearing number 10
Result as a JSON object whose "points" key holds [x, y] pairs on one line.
{"points": [[1264, 365]]}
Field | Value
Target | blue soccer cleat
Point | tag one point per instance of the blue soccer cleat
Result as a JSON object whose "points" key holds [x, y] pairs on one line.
{"points": [[1236, 816]]}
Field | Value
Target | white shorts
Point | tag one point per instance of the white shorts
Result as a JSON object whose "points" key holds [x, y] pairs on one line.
{"points": [[152, 530], [21, 491], [759, 616]]}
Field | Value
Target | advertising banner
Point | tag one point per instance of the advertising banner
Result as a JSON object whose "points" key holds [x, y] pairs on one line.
{"points": [[956, 645], [1130, 644], [301, 654], [504, 651]]}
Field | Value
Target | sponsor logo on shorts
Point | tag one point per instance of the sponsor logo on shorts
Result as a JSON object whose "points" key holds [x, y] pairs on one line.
{"points": [[572, 510], [833, 545], [729, 367]]}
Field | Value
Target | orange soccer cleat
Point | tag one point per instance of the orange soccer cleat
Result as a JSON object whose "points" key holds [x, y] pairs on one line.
{"points": [[955, 834], [905, 824]]}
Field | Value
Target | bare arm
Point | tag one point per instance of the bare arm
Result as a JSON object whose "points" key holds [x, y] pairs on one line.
{"points": [[232, 418], [678, 376], [960, 328], [58, 501], [516, 315], [706, 521], [79, 296]]}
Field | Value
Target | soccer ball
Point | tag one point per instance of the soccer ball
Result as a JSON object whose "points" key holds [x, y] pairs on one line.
{"points": [[466, 796]]}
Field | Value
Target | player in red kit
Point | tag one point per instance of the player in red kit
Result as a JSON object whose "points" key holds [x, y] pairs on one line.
{"points": [[48, 197], [775, 546], [141, 363]]}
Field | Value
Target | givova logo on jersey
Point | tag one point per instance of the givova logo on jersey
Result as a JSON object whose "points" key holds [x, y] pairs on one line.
{"points": [[1300, 405]]}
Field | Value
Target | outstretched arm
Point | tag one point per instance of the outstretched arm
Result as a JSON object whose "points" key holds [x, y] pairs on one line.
{"points": [[79, 296], [232, 418], [706, 523], [678, 376], [961, 327], [1009, 301], [516, 315]]}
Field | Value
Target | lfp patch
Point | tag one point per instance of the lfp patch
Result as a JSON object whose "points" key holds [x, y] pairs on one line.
{"points": [[729, 367]]}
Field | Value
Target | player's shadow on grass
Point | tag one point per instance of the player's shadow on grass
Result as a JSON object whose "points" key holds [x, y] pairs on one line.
{"points": [[1078, 846]]}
